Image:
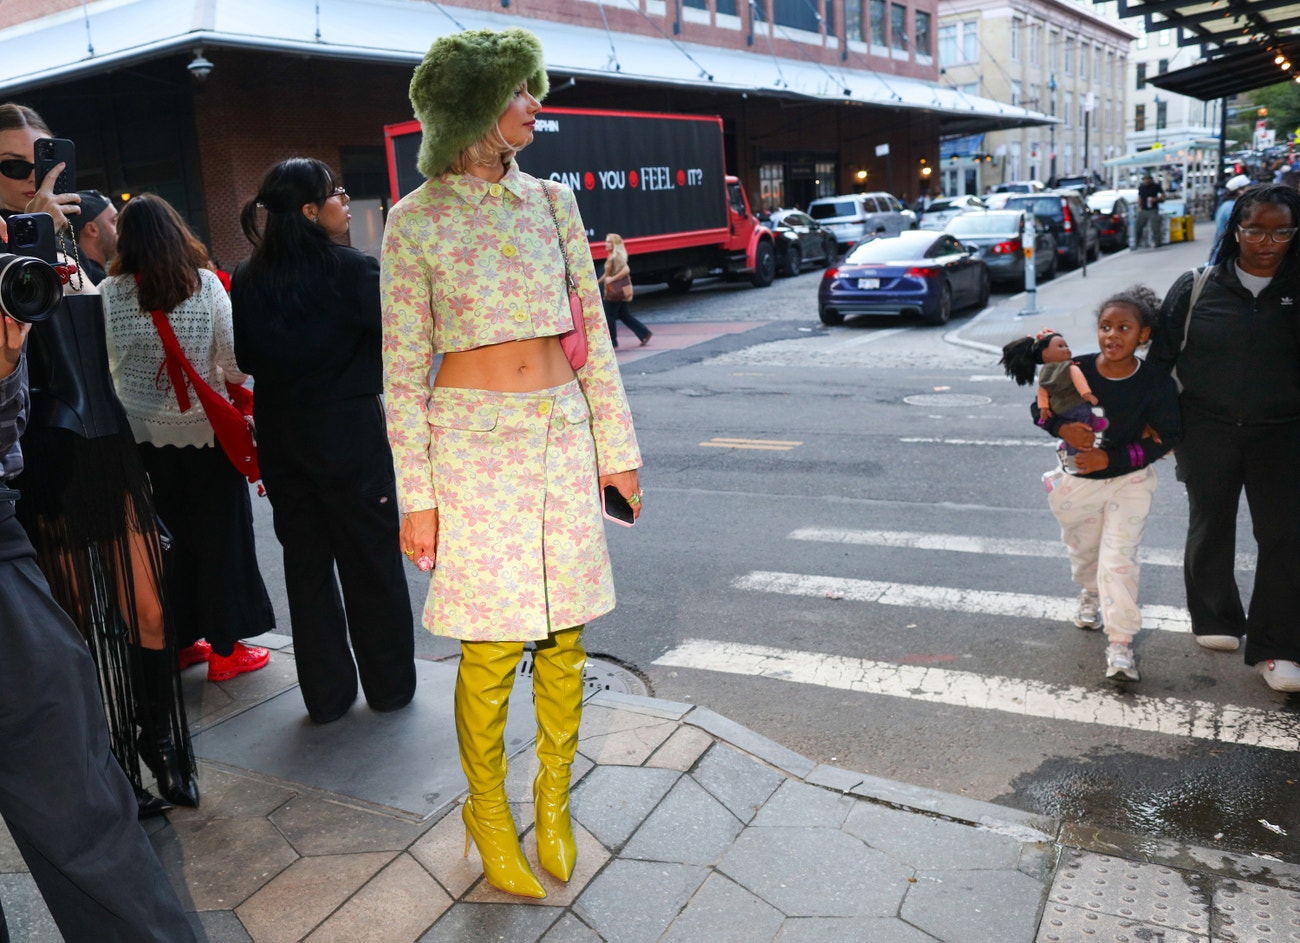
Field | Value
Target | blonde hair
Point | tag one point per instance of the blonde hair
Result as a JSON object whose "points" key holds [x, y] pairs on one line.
{"points": [[617, 258], [489, 150]]}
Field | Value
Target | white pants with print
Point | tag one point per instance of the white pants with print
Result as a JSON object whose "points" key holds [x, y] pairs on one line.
{"points": [[1101, 525]]}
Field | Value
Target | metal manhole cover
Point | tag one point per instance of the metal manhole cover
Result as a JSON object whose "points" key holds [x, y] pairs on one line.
{"points": [[947, 399], [601, 675]]}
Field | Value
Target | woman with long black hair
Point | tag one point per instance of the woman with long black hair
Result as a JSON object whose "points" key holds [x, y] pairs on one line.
{"points": [[1236, 349], [307, 325], [215, 588]]}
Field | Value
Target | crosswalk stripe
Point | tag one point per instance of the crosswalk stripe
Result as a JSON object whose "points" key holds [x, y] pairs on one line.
{"points": [[1247, 726], [960, 543], [987, 602]]}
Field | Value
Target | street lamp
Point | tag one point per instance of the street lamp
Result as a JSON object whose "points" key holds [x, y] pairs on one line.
{"points": [[1051, 130]]}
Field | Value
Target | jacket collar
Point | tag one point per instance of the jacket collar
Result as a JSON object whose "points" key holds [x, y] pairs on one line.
{"points": [[474, 190]]}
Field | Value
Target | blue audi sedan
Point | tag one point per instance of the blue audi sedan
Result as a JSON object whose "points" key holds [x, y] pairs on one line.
{"points": [[930, 274]]}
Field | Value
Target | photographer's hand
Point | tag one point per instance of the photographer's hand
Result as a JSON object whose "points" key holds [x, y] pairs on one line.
{"points": [[58, 205], [12, 333]]}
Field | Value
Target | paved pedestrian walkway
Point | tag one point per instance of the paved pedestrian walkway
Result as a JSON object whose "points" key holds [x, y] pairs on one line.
{"points": [[690, 828]]}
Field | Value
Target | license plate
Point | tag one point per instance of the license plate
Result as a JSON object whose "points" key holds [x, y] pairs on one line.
{"points": [[867, 283]]}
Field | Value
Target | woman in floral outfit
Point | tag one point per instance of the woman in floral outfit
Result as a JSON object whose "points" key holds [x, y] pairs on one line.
{"points": [[500, 463]]}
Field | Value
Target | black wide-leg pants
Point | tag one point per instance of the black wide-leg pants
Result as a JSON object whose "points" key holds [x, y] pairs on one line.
{"points": [[68, 805], [1217, 461], [328, 472]]}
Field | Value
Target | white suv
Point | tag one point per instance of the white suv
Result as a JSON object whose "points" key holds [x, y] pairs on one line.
{"points": [[857, 216]]}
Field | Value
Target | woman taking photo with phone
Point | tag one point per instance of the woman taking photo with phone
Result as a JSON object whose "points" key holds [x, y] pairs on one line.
{"points": [[89, 510], [307, 325], [499, 465]]}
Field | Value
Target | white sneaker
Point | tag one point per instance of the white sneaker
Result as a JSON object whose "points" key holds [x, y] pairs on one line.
{"points": [[1120, 663], [1219, 643], [1088, 615], [1280, 675]]}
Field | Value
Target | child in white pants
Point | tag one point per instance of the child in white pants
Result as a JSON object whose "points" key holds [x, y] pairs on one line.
{"points": [[1103, 499]]}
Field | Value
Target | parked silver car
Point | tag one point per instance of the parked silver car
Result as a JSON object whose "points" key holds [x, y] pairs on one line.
{"points": [[858, 216], [938, 214], [1000, 236]]}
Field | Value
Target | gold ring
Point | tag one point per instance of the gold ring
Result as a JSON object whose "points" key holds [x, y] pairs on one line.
{"points": [[634, 499], [409, 553]]}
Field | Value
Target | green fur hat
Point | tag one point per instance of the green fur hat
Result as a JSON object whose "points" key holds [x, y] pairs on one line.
{"points": [[464, 84]]}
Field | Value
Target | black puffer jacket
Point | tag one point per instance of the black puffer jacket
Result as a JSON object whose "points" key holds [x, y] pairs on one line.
{"points": [[1242, 360]]}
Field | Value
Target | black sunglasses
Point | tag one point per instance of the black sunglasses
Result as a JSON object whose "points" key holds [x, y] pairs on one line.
{"points": [[16, 169]]}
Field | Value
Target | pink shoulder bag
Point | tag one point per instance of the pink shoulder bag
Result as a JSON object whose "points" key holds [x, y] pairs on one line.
{"points": [[572, 342]]}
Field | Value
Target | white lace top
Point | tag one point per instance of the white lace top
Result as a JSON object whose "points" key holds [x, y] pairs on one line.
{"points": [[135, 358]]}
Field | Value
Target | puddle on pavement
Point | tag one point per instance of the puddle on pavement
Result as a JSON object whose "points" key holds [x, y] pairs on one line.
{"points": [[1212, 797]]}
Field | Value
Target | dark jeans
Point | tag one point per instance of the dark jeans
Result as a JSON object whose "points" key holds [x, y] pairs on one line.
{"points": [[1217, 461], [616, 311], [328, 472], [66, 801]]}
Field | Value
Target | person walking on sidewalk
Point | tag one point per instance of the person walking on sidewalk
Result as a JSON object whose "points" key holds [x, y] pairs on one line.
{"points": [[1237, 356], [1150, 196], [213, 581], [1221, 216], [501, 463], [307, 325], [617, 285], [63, 795], [1102, 496]]}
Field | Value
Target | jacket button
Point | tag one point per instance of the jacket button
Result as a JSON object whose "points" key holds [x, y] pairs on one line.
{"points": [[544, 409], [521, 316], [496, 189], [508, 251]]}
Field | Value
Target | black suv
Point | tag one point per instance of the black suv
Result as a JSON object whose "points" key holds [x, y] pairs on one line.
{"points": [[1068, 218]]}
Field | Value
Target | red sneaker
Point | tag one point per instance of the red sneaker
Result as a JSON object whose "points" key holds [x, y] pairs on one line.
{"points": [[200, 651], [243, 658]]}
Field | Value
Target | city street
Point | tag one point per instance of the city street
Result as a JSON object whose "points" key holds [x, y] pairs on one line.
{"points": [[847, 548]]}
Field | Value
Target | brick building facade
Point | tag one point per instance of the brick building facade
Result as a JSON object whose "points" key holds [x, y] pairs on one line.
{"points": [[807, 101]]}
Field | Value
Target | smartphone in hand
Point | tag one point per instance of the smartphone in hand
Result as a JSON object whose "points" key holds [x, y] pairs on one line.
{"points": [[50, 152], [615, 507]]}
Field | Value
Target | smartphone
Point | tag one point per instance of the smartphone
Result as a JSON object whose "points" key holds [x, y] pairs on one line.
{"points": [[33, 234], [615, 507], [50, 152]]}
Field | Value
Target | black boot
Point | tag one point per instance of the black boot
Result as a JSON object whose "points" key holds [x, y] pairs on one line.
{"points": [[163, 743], [148, 805]]}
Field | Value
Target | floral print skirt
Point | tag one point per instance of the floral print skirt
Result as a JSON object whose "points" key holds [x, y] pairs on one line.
{"points": [[521, 542]]}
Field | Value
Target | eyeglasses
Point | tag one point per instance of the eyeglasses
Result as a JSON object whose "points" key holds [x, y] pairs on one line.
{"points": [[16, 169], [339, 192], [1257, 235]]}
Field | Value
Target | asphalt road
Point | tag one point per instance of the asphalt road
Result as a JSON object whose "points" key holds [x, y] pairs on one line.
{"points": [[878, 583]]}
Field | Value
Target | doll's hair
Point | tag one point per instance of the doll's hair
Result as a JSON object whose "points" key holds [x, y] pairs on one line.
{"points": [[1144, 302], [1021, 357]]}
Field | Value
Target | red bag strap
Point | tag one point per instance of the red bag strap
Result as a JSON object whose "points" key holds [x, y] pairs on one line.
{"points": [[178, 366]]}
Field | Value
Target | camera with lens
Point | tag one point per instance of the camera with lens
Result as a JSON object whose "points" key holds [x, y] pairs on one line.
{"points": [[30, 288]]}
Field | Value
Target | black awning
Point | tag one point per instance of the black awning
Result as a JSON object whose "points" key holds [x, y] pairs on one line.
{"points": [[1233, 70]]}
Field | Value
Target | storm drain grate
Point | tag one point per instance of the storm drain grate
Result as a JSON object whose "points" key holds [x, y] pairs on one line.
{"points": [[602, 674]]}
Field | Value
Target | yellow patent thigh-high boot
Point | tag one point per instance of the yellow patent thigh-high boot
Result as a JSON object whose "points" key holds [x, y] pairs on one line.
{"points": [[557, 693], [483, 683]]}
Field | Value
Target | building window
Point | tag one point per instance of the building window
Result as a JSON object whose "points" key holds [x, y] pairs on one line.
{"points": [[958, 42], [1164, 37], [725, 7], [1162, 114], [1069, 108], [1096, 63], [1036, 98], [1053, 49], [1083, 61], [796, 14], [898, 25], [1162, 67], [1110, 69], [1069, 56], [1035, 44], [853, 20], [1015, 92], [1017, 25], [970, 40], [698, 4], [948, 54], [1140, 118], [922, 33], [1141, 75], [771, 186], [830, 17], [878, 25]]}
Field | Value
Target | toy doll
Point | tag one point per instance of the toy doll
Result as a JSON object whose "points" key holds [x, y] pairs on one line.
{"points": [[1062, 389]]}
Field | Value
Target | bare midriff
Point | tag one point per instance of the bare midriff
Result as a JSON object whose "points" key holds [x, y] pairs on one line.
{"points": [[536, 363]]}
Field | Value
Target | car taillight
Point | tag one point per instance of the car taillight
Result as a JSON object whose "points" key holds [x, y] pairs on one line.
{"points": [[830, 273], [1069, 220], [919, 272], [1010, 247]]}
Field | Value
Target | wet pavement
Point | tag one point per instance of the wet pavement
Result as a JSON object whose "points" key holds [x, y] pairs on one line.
{"points": [[690, 828]]}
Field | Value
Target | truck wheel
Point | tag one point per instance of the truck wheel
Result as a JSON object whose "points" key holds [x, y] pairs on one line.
{"points": [[831, 318], [764, 265], [678, 285]]}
